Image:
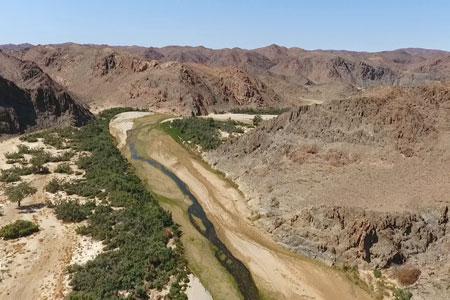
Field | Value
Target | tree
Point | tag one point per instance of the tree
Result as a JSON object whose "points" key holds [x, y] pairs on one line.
{"points": [[17, 193], [257, 120]]}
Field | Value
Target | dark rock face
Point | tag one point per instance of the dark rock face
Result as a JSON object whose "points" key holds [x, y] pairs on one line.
{"points": [[30, 99], [339, 234], [16, 108]]}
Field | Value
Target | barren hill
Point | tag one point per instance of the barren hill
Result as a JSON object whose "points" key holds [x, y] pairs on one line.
{"points": [[106, 76], [30, 99], [198, 80], [362, 180]]}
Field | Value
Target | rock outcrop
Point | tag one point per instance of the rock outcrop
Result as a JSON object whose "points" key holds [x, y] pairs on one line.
{"points": [[362, 181], [30, 99]]}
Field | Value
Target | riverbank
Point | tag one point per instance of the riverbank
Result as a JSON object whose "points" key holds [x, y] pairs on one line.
{"points": [[277, 272], [198, 251]]}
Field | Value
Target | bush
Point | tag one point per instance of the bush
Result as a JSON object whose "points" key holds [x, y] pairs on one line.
{"points": [[9, 175], [53, 186], [200, 131], [135, 233], [38, 160], [64, 168], [71, 211], [30, 138], [24, 149], [13, 174], [401, 294], [377, 273], [14, 155], [66, 156], [257, 120], [17, 193], [18, 229]]}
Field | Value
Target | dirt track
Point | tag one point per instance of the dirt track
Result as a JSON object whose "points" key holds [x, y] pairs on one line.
{"points": [[278, 273]]}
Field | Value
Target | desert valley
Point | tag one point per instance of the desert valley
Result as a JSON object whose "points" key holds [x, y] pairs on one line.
{"points": [[194, 173]]}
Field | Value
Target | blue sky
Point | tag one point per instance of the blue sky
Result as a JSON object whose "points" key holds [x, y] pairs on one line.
{"points": [[354, 25]]}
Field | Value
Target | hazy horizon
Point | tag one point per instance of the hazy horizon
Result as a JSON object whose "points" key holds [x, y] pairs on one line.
{"points": [[198, 46]]}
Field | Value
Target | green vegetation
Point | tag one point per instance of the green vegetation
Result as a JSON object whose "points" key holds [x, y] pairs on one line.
{"points": [[53, 186], [16, 193], [18, 229], [377, 273], [200, 131], [64, 168], [14, 155], [24, 149], [136, 257], [257, 120], [56, 137], [260, 110], [401, 294], [71, 211], [13, 174]]}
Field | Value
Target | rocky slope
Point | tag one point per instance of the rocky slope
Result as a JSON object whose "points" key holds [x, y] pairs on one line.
{"points": [[297, 74], [359, 181], [199, 80], [30, 99], [106, 76]]}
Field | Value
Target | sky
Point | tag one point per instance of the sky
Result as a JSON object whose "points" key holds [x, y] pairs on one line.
{"points": [[364, 25]]}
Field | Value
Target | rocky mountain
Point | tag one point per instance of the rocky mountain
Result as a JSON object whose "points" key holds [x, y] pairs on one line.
{"points": [[297, 74], [30, 99], [106, 76], [224, 78], [358, 181]]}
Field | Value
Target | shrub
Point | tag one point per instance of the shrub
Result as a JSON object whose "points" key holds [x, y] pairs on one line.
{"points": [[64, 168], [200, 131], [257, 120], [30, 138], [24, 149], [13, 174], [18, 229], [9, 176], [401, 294], [53, 186], [66, 156], [135, 232], [377, 273], [17, 193], [72, 211], [14, 155], [53, 139], [40, 157], [38, 160]]}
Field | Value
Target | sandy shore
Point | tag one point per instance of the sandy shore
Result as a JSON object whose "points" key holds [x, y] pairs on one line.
{"points": [[123, 122]]}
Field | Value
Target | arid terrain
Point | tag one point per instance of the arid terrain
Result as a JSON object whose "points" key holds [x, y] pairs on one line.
{"points": [[361, 182], [30, 99], [199, 80], [340, 157], [35, 267]]}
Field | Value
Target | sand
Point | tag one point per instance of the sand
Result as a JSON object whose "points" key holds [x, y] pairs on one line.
{"points": [[277, 272]]}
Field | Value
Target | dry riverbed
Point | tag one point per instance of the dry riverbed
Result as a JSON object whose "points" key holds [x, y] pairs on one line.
{"points": [[278, 273]]}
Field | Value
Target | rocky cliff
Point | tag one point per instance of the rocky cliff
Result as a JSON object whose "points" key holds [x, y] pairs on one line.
{"points": [[361, 181], [30, 99]]}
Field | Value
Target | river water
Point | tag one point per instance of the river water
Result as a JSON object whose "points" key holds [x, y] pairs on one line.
{"points": [[234, 266]]}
